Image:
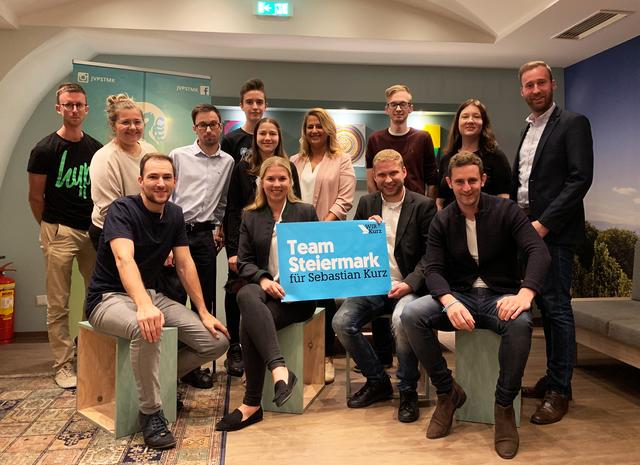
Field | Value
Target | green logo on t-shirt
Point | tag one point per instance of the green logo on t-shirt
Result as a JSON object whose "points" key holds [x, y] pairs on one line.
{"points": [[76, 176]]}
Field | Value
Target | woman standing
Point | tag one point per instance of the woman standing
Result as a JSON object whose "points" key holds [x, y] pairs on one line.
{"points": [[328, 182], [115, 168], [262, 310], [267, 143], [471, 132]]}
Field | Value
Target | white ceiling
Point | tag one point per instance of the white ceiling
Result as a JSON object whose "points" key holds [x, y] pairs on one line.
{"points": [[479, 33]]}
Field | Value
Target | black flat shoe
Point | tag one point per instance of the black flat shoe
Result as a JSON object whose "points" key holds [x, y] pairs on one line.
{"points": [[283, 391], [233, 421]]}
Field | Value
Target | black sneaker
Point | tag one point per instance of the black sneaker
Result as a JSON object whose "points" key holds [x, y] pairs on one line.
{"points": [[155, 432], [199, 378], [370, 393], [233, 363], [408, 411]]}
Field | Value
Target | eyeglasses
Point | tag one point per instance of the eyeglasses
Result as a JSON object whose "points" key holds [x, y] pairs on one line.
{"points": [[213, 125], [402, 105], [71, 106]]}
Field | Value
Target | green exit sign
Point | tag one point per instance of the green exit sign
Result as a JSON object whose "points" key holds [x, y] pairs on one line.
{"points": [[274, 9]]}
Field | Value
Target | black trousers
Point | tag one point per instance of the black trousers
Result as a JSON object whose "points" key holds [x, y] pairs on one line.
{"points": [[262, 316]]}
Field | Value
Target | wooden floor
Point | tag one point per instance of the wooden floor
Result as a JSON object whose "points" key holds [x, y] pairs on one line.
{"points": [[602, 427]]}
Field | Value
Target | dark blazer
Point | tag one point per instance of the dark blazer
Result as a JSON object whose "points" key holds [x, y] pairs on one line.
{"points": [[560, 177], [411, 236], [503, 230], [242, 192], [255, 237]]}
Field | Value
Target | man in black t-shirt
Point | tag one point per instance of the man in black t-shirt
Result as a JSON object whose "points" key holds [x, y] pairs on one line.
{"points": [[237, 143], [139, 232], [253, 102], [60, 199]]}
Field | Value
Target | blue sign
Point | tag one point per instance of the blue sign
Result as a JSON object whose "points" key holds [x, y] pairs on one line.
{"points": [[330, 259]]}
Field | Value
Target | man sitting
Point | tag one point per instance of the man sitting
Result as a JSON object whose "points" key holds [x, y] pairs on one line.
{"points": [[139, 231], [471, 268], [407, 216]]}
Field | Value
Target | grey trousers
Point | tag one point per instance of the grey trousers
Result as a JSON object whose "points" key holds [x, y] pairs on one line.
{"points": [[116, 315]]}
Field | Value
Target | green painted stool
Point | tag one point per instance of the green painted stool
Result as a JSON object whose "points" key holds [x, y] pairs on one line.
{"points": [[302, 346], [477, 371], [106, 393]]}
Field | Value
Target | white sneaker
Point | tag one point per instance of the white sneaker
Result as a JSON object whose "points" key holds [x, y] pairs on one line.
{"points": [[329, 371], [66, 377]]}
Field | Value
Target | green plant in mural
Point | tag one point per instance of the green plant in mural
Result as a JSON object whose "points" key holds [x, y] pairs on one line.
{"points": [[604, 275], [620, 244]]}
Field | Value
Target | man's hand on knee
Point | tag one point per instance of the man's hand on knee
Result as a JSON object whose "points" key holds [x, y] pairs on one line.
{"points": [[150, 322], [214, 325], [460, 317], [511, 306]]}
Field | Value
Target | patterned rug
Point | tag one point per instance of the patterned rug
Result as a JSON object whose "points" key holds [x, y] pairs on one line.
{"points": [[39, 425]]}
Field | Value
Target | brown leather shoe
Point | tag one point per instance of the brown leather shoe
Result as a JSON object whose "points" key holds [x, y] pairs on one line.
{"points": [[506, 434], [442, 417], [552, 409], [537, 391]]}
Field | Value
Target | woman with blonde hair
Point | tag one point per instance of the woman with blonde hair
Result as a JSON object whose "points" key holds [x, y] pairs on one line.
{"points": [[328, 182], [115, 168], [263, 312]]}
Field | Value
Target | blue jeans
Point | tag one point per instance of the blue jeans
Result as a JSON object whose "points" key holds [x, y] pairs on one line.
{"points": [[422, 316], [352, 315], [557, 318]]}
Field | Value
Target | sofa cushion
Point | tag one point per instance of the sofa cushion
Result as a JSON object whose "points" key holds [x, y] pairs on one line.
{"points": [[596, 314], [625, 331]]}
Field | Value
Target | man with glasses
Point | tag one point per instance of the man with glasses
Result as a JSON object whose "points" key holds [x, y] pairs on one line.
{"points": [[203, 171], [416, 149], [60, 200]]}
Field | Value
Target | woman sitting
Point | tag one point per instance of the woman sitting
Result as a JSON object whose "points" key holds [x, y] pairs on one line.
{"points": [[261, 308]]}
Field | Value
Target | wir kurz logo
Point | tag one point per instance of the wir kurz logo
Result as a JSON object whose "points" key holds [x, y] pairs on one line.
{"points": [[370, 228]]}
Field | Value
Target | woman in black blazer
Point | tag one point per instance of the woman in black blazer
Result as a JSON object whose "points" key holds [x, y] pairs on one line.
{"points": [[267, 143], [263, 313]]}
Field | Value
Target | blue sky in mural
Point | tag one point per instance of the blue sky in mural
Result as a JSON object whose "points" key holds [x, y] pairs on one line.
{"points": [[606, 88]]}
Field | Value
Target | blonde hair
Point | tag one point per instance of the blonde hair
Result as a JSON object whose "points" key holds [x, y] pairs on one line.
{"points": [[261, 199], [388, 155], [118, 102], [396, 88], [329, 127]]}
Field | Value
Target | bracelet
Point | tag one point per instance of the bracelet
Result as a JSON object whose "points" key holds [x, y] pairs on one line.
{"points": [[444, 310]]}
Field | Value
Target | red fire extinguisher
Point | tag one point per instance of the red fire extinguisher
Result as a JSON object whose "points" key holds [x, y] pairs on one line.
{"points": [[7, 304]]}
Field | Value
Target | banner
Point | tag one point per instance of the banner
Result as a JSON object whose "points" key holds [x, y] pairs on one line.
{"points": [[332, 259], [166, 100]]}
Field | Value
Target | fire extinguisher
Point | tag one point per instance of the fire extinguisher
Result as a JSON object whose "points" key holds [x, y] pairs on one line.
{"points": [[7, 304]]}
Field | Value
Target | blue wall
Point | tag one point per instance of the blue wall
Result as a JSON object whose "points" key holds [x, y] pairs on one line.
{"points": [[606, 88]]}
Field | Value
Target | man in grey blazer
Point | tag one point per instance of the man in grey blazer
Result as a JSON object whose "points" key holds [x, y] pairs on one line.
{"points": [[407, 216], [552, 173]]}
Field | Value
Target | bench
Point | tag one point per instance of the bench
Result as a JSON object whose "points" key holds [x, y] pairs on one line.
{"points": [[477, 369], [612, 325], [302, 346], [106, 392]]}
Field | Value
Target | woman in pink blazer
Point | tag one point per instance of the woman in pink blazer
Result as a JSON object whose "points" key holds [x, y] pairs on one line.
{"points": [[328, 182]]}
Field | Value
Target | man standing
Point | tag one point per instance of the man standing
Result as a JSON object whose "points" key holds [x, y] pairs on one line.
{"points": [[417, 152], [414, 145], [407, 216], [552, 173], [253, 102], [472, 271], [204, 172], [139, 232], [60, 199]]}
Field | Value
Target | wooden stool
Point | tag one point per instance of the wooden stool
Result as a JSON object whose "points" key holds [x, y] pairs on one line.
{"points": [[106, 393], [423, 383], [477, 369], [302, 346]]}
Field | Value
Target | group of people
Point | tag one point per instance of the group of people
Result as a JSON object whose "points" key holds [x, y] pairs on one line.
{"points": [[470, 244]]}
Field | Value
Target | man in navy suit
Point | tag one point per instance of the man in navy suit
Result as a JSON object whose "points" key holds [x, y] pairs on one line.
{"points": [[552, 173]]}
